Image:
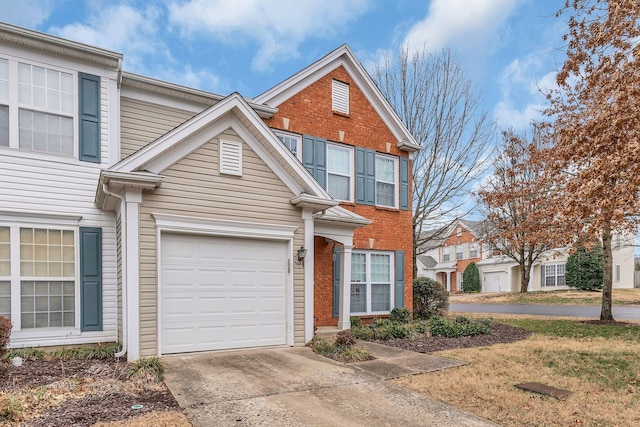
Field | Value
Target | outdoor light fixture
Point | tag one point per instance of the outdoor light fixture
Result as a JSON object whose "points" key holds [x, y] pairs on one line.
{"points": [[302, 253]]}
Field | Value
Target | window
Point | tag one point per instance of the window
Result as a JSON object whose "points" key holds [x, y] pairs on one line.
{"points": [[340, 97], [339, 171], [459, 252], [371, 282], [49, 110], [45, 113], [292, 142], [46, 281], [386, 181], [5, 273], [554, 275], [459, 231], [473, 250], [446, 255]]}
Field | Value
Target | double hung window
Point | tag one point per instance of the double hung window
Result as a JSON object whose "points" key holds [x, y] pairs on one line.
{"points": [[339, 172], [386, 181], [554, 275], [371, 282]]}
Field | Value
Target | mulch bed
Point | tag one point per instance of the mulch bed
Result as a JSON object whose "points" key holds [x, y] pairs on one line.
{"points": [[110, 398], [500, 333]]}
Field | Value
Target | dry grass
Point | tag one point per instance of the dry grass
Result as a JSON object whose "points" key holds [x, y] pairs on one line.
{"points": [[572, 297], [156, 419], [486, 385]]}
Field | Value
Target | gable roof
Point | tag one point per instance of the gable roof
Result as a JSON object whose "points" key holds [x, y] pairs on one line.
{"points": [[342, 56], [427, 261], [231, 112], [474, 227]]}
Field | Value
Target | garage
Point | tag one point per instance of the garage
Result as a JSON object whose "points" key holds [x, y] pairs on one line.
{"points": [[222, 293], [494, 282]]}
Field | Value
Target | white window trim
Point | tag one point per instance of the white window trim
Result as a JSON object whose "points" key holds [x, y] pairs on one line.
{"points": [[15, 106], [351, 175], [295, 136], [396, 183], [15, 278], [555, 276], [392, 275]]}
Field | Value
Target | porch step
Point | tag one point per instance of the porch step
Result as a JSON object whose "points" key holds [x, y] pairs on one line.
{"points": [[327, 331]]}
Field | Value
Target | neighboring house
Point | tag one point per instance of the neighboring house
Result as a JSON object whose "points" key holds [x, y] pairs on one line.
{"points": [[426, 266], [460, 246], [175, 220], [502, 274]]}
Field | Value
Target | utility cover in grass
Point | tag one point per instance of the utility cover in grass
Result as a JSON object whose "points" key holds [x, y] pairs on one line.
{"points": [[547, 390]]}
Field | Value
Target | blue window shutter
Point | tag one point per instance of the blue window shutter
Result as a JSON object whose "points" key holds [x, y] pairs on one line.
{"points": [[399, 291], [360, 175], [365, 176], [370, 177], [89, 115], [314, 158], [90, 279], [337, 254], [404, 183]]}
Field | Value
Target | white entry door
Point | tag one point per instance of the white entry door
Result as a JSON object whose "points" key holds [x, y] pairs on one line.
{"points": [[221, 293]]}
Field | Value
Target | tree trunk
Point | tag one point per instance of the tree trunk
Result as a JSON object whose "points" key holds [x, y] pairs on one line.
{"points": [[524, 278], [606, 312]]}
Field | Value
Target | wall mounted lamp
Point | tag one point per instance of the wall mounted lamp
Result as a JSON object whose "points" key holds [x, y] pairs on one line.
{"points": [[302, 253]]}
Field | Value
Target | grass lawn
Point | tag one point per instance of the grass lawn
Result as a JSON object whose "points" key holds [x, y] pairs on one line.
{"points": [[565, 297], [599, 364]]}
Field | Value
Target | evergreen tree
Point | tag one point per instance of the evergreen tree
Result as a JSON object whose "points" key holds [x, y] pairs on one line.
{"points": [[471, 278], [585, 268]]}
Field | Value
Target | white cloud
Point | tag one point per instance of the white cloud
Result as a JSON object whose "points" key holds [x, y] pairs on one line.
{"points": [[466, 25], [278, 27], [523, 92], [26, 13], [123, 29]]}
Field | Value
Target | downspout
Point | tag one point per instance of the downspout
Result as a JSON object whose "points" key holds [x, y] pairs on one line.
{"points": [[123, 261]]}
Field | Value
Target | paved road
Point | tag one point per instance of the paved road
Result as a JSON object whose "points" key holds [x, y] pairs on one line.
{"points": [[620, 312]]}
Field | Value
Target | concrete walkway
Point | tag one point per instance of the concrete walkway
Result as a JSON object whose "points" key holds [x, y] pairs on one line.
{"points": [[620, 312], [295, 387]]}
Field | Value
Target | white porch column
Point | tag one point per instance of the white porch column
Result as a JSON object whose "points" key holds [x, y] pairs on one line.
{"points": [[307, 216], [133, 198], [448, 275], [344, 321]]}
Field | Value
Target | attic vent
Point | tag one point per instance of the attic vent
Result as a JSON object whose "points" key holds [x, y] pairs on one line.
{"points": [[231, 157], [340, 97]]}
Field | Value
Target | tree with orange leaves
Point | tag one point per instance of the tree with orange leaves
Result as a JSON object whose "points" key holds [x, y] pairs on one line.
{"points": [[518, 202], [595, 114]]}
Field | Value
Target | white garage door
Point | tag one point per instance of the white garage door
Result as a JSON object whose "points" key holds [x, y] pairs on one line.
{"points": [[220, 293], [495, 282]]}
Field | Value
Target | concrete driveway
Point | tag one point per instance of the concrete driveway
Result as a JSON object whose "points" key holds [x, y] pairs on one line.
{"points": [[295, 387]]}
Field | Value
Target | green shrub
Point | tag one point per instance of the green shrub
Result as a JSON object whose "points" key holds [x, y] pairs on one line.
{"points": [[363, 333], [429, 298], [150, 367], [355, 322], [400, 315], [29, 353], [471, 279], [5, 332], [585, 269], [386, 329], [459, 327]]}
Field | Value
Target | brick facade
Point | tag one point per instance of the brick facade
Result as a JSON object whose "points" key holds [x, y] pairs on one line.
{"points": [[450, 243], [309, 112]]}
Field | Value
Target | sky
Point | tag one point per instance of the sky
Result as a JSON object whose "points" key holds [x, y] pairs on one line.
{"points": [[510, 49]]}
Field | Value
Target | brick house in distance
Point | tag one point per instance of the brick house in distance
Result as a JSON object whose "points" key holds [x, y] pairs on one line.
{"points": [[460, 246]]}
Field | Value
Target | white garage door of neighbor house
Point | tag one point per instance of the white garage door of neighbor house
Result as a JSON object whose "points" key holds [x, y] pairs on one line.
{"points": [[221, 293], [495, 282]]}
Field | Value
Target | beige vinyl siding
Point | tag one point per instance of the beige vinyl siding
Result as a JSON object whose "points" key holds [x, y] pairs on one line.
{"points": [[193, 187], [143, 122]]}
